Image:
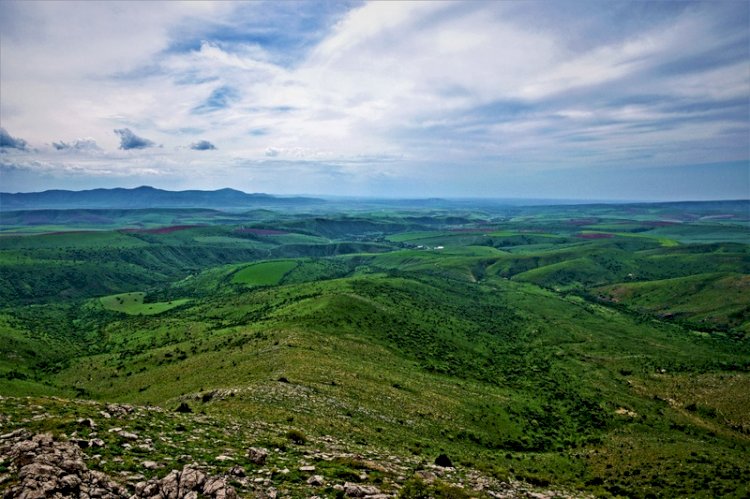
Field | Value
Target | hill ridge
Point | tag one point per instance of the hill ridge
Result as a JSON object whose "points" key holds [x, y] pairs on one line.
{"points": [[144, 197]]}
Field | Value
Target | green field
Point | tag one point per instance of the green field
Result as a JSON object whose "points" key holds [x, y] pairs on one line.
{"points": [[263, 274]]}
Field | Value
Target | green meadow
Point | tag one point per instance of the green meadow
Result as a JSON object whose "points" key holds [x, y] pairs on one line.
{"points": [[511, 341]]}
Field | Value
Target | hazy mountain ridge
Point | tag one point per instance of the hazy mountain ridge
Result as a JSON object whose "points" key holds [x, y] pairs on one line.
{"points": [[143, 197]]}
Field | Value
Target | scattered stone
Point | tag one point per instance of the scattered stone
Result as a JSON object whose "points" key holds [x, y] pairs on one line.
{"points": [[150, 465], [237, 470], [86, 422], [119, 410], [308, 469], [223, 458], [257, 455], [426, 476], [316, 481], [356, 490], [127, 435], [625, 412]]}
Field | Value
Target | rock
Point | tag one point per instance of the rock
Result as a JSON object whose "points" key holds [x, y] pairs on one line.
{"points": [[191, 479], [170, 485], [37, 470], [223, 458], [316, 480], [15, 433], [70, 482], [237, 471], [257, 455], [443, 461], [308, 469], [56, 469], [86, 422], [426, 476], [150, 465], [96, 442], [127, 435], [355, 490], [119, 410], [219, 488]]}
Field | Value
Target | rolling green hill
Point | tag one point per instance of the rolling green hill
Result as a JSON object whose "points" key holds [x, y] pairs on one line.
{"points": [[369, 345]]}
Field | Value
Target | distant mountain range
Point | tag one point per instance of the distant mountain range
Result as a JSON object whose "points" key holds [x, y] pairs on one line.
{"points": [[145, 197]]}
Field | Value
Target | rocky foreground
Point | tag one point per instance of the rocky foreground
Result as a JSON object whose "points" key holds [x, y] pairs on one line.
{"points": [[120, 451]]}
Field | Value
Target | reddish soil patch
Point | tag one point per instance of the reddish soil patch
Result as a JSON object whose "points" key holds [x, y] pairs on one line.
{"points": [[262, 232], [598, 235], [162, 230]]}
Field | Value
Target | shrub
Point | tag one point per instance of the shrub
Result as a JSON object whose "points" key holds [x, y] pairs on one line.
{"points": [[296, 436], [184, 408]]}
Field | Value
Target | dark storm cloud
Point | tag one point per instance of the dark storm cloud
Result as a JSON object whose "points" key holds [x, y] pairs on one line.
{"points": [[8, 142], [77, 145], [202, 145], [129, 140]]}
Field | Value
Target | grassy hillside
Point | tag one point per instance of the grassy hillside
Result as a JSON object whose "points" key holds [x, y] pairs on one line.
{"points": [[616, 366], [719, 299]]}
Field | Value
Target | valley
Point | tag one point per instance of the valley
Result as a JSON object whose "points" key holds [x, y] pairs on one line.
{"points": [[573, 350]]}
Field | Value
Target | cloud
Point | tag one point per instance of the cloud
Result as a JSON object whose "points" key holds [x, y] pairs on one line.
{"points": [[469, 93], [202, 145], [129, 140], [6, 141], [220, 98], [84, 144]]}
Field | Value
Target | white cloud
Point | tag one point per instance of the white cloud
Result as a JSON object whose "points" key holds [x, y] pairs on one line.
{"points": [[424, 82]]}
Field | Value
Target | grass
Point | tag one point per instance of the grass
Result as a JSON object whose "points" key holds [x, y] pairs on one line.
{"points": [[263, 274], [709, 299], [133, 304], [498, 350]]}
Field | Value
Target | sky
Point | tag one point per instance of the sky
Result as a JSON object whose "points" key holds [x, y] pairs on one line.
{"points": [[508, 99]]}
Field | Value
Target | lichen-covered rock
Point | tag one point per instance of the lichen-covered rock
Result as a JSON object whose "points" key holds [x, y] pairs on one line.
{"points": [[257, 455], [47, 468]]}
